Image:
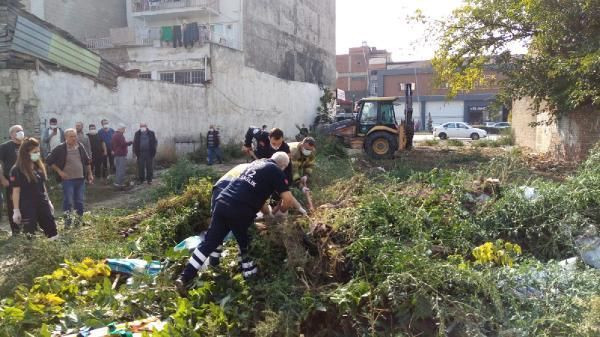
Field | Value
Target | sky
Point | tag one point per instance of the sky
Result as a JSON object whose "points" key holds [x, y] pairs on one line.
{"points": [[383, 24]]}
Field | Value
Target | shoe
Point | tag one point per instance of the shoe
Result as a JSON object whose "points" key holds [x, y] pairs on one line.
{"points": [[182, 286]]}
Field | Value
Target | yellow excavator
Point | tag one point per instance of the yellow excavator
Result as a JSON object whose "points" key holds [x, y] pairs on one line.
{"points": [[375, 129]]}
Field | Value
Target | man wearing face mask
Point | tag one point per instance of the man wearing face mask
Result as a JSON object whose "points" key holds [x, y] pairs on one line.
{"points": [[213, 146], [8, 158], [98, 151], [144, 148], [106, 133], [53, 136], [303, 155]]}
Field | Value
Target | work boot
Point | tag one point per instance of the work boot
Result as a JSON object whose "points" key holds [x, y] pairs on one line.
{"points": [[182, 286], [248, 268]]}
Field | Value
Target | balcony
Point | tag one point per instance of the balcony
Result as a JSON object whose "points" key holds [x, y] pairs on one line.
{"points": [[225, 35], [173, 8]]}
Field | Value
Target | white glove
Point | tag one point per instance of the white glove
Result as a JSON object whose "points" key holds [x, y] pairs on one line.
{"points": [[305, 189], [302, 211], [304, 179], [51, 207], [17, 216]]}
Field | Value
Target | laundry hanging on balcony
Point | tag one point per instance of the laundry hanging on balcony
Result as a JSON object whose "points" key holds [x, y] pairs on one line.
{"points": [[166, 34], [191, 34]]}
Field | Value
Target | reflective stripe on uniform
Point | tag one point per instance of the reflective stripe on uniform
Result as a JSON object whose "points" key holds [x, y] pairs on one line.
{"points": [[250, 273]]}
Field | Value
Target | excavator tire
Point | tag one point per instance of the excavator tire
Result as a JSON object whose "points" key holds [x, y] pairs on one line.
{"points": [[381, 145]]}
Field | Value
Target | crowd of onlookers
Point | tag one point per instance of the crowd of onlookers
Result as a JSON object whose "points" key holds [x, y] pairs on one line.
{"points": [[75, 158]]}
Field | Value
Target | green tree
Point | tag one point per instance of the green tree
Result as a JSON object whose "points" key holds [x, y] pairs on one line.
{"points": [[560, 71], [323, 111]]}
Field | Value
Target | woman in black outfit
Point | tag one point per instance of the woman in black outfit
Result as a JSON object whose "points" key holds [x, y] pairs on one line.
{"points": [[30, 196]]}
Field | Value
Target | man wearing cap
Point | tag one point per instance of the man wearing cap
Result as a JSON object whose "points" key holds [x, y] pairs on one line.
{"points": [[235, 209], [8, 157], [119, 150]]}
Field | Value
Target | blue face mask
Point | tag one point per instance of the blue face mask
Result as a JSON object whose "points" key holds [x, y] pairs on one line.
{"points": [[35, 156]]}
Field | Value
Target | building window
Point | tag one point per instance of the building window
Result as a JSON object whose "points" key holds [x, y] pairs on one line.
{"points": [[183, 77], [145, 76], [167, 77]]}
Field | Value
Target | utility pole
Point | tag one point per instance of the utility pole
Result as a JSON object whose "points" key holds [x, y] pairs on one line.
{"points": [[408, 115]]}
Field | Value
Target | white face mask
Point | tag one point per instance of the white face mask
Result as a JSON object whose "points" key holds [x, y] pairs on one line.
{"points": [[106, 126], [275, 148], [143, 129], [93, 132], [53, 126], [306, 152], [35, 156], [20, 135]]}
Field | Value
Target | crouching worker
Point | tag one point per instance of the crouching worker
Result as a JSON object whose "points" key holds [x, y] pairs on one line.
{"points": [[32, 206], [235, 209], [303, 155]]}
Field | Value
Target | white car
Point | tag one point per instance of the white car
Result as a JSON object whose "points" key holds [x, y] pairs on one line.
{"points": [[458, 130]]}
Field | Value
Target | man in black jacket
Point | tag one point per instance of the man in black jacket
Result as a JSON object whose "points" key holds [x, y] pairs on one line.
{"points": [[144, 148]]}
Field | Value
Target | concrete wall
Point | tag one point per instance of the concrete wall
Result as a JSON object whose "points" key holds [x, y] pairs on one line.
{"points": [[237, 98], [570, 137], [292, 39], [153, 59], [81, 18]]}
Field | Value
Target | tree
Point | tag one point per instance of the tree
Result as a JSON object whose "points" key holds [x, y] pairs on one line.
{"points": [[561, 70], [430, 123], [324, 110]]}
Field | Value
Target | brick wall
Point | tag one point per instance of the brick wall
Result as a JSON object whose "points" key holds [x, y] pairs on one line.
{"points": [[571, 137]]}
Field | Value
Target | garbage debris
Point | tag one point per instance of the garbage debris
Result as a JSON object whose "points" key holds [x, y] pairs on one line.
{"points": [[569, 264], [194, 241], [131, 329], [529, 193], [190, 243], [589, 249], [134, 266]]}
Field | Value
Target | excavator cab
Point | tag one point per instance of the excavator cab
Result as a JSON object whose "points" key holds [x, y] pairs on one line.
{"points": [[375, 128], [376, 125]]}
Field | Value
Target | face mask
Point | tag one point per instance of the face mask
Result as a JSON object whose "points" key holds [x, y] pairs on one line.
{"points": [[144, 129], [106, 126], [211, 130], [306, 152], [52, 126], [35, 156], [93, 132], [275, 148], [20, 135]]}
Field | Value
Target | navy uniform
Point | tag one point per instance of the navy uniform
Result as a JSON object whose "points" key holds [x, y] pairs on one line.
{"points": [[261, 137], [216, 191], [235, 210], [33, 203]]}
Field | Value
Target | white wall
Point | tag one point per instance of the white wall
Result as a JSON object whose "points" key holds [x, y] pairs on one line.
{"points": [[442, 112], [237, 98]]}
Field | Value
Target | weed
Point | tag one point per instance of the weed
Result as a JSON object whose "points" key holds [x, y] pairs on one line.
{"points": [[455, 142], [432, 142]]}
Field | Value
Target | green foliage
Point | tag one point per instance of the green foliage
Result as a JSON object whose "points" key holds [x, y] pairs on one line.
{"points": [[560, 71], [179, 175], [324, 109], [432, 142], [455, 142]]}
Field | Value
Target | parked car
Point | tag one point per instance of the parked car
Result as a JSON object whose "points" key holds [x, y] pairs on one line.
{"points": [[502, 125], [489, 124], [458, 130]]}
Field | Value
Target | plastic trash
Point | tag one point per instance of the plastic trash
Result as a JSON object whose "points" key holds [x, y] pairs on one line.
{"points": [[190, 243], [194, 241], [529, 193], [569, 264], [134, 266], [589, 248]]}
